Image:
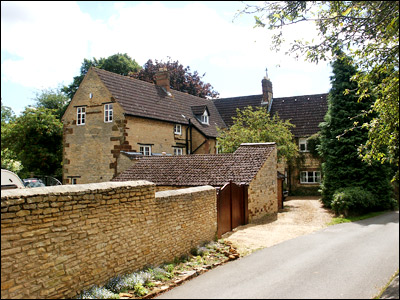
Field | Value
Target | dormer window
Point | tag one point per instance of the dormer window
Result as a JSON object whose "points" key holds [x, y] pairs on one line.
{"points": [[303, 145], [108, 113], [204, 118]]}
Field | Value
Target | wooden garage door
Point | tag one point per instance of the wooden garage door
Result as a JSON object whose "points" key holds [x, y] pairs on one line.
{"points": [[231, 207]]}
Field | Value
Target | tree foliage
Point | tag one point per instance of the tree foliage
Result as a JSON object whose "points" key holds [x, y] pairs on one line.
{"points": [[369, 33], [52, 99], [35, 138], [181, 79], [257, 126], [118, 63], [342, 166], [9, 160]]}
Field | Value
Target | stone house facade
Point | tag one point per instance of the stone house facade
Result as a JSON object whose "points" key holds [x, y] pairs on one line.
{"points": [[254, 165], [305, 112], [112, 116], [114, 120]]}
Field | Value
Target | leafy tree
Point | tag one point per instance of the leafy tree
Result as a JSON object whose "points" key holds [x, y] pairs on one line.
{"points": [[118, 63], [257, 126], [35, 137], [52, 99], [9, 160], [7, 114], [369, 31], [181, 79], [342, 166]]}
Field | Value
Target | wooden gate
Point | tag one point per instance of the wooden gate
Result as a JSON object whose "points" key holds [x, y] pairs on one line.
{"points": [[231, 207]]}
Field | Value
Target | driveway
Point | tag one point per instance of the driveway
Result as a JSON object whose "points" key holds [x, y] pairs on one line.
{"points": [[300, 216]]}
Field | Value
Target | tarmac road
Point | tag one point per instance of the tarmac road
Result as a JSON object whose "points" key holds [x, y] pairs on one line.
{"points": [[345, 261]]}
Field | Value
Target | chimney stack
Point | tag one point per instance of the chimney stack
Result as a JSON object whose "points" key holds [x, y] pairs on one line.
{"points": [[266, 89], [162, 79]]}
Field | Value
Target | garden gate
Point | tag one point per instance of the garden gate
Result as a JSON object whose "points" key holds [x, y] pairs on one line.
{"points": [[231, 207]]}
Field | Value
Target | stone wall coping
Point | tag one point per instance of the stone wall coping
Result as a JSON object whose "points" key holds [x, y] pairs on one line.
{"points": [[75, 188], [190, 190]]}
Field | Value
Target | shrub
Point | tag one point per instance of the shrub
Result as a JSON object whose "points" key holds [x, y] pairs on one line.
{"points": [[353, 201], [140, 290]]}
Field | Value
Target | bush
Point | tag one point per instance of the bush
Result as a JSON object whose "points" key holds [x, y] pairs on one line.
{"points": [[353, 201]]}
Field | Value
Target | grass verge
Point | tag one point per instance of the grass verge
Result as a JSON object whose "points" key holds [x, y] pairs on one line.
{"points": [[341, 219]]}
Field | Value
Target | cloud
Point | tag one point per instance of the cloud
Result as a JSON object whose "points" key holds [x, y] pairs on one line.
{"points": [[46, 42]]}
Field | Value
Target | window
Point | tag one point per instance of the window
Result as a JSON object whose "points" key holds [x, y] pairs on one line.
{"points": [[74, 181], [204, 118], [178, 151], [178, 129], [145, 150], [310, 177], [108, 113], [81, 115], [303, 145]]}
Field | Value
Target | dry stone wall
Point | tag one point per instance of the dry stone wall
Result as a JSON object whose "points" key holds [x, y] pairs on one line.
{"points": [[57, 241]]}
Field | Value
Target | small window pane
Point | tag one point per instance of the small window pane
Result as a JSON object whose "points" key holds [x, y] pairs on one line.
{"points": [[303, 177]]}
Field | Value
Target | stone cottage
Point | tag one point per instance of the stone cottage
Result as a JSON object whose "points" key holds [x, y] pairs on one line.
{"points": [[305, 112], [110, 114], [114, 120]]}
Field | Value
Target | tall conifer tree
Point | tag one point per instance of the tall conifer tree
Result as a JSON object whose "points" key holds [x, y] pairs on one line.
{"points": [[342, 166]]}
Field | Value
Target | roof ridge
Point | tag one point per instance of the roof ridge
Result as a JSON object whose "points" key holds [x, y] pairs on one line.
{"points": [[150, 83]]}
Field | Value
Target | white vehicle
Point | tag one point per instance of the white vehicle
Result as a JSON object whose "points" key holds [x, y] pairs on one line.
{"points": [[10, 180]]}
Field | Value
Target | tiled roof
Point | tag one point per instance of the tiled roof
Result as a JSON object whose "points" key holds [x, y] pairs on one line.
{"points": [[201, 169], [305, 112], [144, 99], [227, 106]]}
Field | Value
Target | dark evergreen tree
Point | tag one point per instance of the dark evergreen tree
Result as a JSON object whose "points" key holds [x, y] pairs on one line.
{"points": [[342, 134]]}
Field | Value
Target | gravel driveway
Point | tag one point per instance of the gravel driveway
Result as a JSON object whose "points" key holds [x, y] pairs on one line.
{"points": [[300, 215]]}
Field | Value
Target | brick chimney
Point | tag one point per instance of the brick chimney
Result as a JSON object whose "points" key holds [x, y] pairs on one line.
{"points": [[162, 79], [266, 89]]}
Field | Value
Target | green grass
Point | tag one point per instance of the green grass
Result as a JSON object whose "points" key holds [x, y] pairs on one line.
{"points": [[341, 219]]}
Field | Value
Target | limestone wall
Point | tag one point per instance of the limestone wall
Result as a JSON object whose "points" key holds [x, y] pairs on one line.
{"points": [[57, 241], [262, 191]]}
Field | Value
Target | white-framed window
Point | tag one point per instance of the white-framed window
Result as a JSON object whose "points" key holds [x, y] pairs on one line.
{"points": [[310, 177], [178, 129], [108, 113], [204, 117], [178, 151], [303, 145], [74, 181], [145, 150], [80, 115]]}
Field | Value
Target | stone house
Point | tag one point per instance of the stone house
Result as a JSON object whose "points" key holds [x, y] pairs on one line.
{"points": [[114, 120], [112, 116], [253, 165], [305, 112]]}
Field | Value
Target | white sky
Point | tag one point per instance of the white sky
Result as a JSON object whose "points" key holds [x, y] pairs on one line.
{"points": [[43, 45]]}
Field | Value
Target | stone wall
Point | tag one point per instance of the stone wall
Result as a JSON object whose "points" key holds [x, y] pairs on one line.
{"points": [[262, 191], [96, 143], [57, 241]]}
